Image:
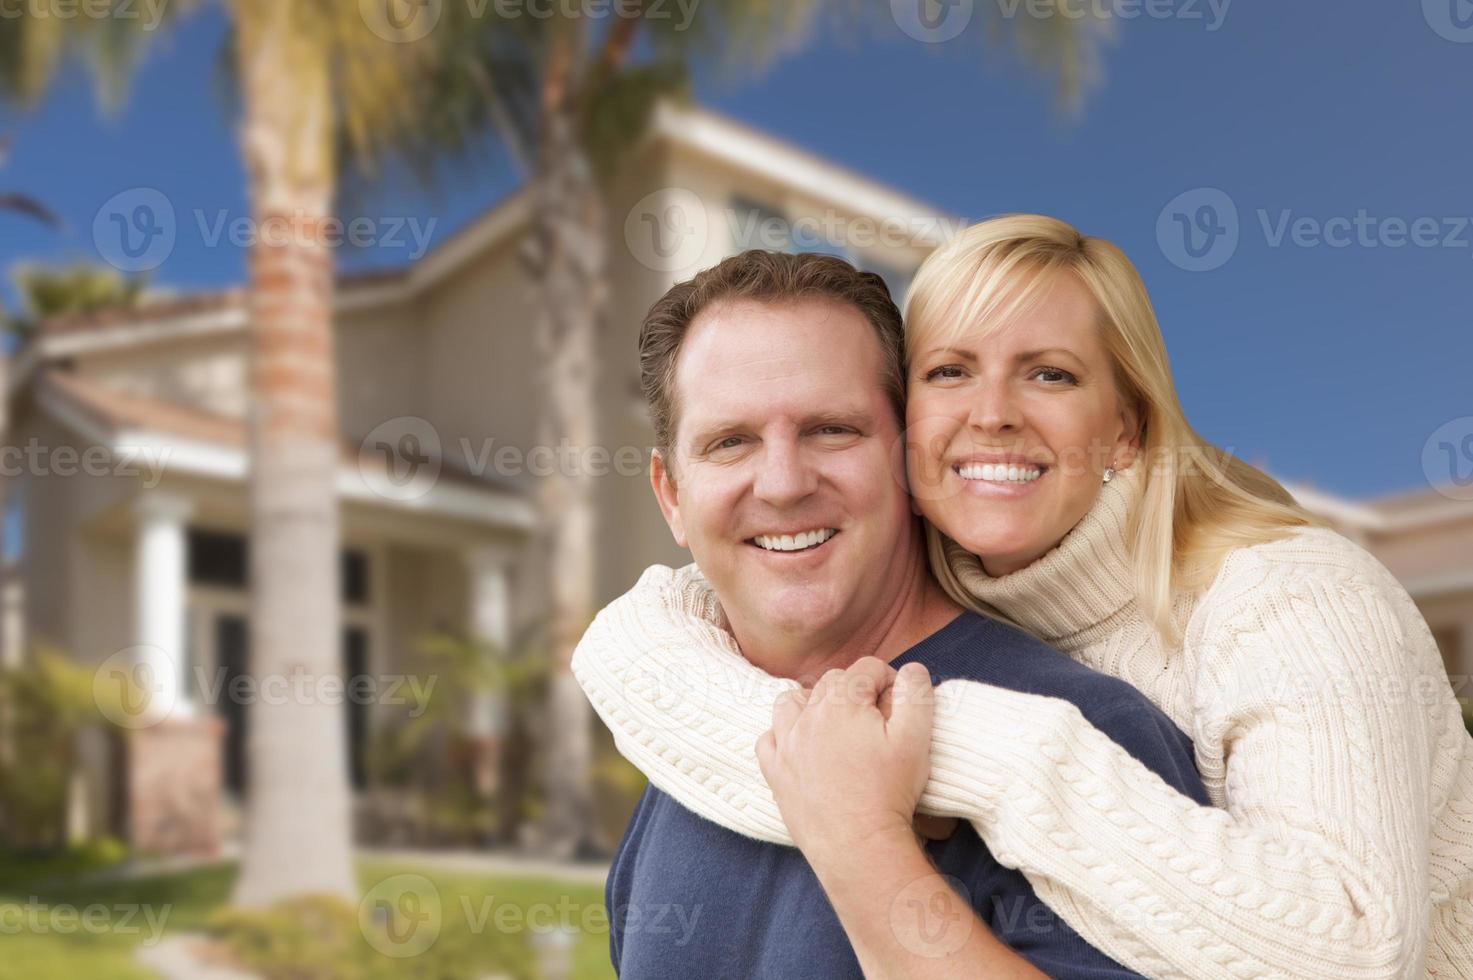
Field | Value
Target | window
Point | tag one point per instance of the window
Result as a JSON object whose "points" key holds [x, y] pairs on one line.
{"points": [[355, 665], [755, 225], [355, 577], [222, 560], [15, 524], [896, 278], [218, 559]]}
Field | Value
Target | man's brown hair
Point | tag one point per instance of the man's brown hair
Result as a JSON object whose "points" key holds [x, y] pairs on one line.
{"points": [[769, 277]]}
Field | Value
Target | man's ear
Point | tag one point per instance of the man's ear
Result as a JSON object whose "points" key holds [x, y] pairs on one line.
{"points": [[663, 483]]}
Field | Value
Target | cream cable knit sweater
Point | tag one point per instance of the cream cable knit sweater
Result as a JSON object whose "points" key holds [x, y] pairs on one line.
{"points": [[1341, 843]]}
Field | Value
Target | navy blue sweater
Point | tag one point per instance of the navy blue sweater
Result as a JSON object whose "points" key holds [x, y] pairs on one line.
{"points": [[689, 899]]}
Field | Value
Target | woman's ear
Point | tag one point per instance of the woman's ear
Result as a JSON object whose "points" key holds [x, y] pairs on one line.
{"points": [[1128, 445]]}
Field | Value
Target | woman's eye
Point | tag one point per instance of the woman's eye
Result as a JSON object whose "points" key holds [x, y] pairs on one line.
{"points": [[1057, 376], [947, 372]]}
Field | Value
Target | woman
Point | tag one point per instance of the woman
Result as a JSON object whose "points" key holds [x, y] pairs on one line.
{"points": [[1341, 843]]}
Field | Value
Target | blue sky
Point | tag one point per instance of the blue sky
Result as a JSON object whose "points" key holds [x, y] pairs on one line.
{"points": [[1332, 364]]}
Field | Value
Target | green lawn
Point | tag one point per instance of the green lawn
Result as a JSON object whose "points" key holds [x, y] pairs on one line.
{"points": [[33, 917]]}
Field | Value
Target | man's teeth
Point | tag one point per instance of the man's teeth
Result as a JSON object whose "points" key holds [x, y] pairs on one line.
{"points": [[794, 542], [999, 472]]}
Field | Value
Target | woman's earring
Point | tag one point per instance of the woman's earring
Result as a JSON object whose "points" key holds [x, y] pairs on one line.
{"points": [[1109, 473]]}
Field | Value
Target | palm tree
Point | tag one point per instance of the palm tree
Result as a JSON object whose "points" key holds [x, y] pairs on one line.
{"points": [[307, 72], [77, 289], [12, 203], [318, 87]]}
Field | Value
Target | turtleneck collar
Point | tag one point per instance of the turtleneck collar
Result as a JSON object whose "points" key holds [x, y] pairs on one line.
{"points": [[1087, 578]]}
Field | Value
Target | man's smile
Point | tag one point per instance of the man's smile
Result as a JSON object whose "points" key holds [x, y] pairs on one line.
{"points": [[800, 541]]}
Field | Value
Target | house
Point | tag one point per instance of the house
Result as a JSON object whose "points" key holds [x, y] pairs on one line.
{"points": [[1425, 538], [128, 506], [126, 488]]}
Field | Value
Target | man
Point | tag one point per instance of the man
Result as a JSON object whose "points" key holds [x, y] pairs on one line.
{"points": [[776, 387]]}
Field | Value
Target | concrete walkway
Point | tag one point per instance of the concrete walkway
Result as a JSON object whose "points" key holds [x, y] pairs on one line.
{"points": [[503, 863], [492, 863], [178, 958]]}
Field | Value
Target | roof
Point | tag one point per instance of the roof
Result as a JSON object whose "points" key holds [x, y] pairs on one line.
{"points": [[110, 411], [697, 129], [201, 443], [162, 308]]}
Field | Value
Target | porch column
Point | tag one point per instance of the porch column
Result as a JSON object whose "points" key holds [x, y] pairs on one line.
{"points": [[1463, 671], [160, 580], [489, 616], [174, 764]]}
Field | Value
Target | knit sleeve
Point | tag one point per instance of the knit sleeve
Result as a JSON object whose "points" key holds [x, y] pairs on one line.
{"points": [[1317, 866]]}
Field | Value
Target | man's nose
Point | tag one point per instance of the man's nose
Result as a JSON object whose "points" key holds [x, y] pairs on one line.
{"points": [[785, 475]]}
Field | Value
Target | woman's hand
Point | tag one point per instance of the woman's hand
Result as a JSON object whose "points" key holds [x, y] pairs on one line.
{"points": [[841, 771]]}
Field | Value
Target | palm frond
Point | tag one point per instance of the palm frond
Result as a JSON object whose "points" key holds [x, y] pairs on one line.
{"points": [[109, 38], [30, 207]]}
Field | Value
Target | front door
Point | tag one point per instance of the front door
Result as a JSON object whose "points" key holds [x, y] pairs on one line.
{"points": [[230, 640]]}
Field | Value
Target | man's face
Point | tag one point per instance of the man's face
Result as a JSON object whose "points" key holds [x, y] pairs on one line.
{"points": [[785, 483]]}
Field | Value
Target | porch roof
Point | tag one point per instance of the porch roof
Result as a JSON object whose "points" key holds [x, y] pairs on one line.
{"points": [[195, 442]]}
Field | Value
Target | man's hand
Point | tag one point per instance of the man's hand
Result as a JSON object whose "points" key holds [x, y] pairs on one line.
{"points": [[841, 771], [846, 774]]}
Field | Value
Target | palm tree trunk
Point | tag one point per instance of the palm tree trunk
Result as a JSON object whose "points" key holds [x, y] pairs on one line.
{"points": [[298, 834], [567, 253]]}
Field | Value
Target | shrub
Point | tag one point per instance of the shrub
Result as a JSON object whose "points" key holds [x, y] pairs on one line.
{"points": [[44, 706], [321, 938]]}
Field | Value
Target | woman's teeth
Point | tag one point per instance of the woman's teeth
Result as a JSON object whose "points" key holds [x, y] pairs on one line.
{"points": [[999, 473], [794, 542]]}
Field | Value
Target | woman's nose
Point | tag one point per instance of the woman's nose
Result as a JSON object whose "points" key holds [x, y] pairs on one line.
{"points": [[994, 409]]}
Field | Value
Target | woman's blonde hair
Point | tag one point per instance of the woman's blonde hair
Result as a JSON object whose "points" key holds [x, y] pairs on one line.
{"points": [[1196, 502]]}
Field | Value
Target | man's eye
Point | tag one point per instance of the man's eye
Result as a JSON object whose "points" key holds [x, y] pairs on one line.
{"points": [[730, 442], [835, 430]]}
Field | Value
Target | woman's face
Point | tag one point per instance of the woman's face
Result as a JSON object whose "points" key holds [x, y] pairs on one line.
{"points": [[1008, 435]]}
